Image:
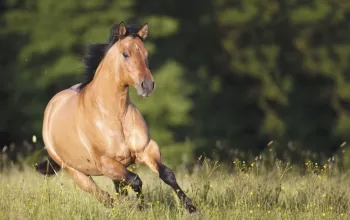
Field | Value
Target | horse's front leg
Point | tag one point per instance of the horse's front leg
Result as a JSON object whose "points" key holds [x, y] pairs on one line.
{"points": [[151, 157], [121, 175], [119, 186]]}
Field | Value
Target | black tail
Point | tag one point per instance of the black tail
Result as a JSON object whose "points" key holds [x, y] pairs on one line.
{"points": [[48, 167]]}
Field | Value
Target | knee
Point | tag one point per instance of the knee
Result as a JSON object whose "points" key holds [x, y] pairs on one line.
{"points": [[167, 175]]}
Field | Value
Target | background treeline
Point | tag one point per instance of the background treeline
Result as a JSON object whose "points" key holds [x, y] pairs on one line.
{"points": [[232, 76]]}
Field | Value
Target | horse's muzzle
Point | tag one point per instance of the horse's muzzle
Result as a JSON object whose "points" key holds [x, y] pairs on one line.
{"points": [[146, 87]]}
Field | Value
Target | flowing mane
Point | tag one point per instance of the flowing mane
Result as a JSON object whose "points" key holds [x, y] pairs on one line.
{"points": [[96, 52]]}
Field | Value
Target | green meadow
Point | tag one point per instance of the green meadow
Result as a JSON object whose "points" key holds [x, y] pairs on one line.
{"points": [[247, 190]]}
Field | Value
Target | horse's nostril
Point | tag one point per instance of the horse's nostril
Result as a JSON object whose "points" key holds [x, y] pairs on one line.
{"points": [[143, 85], [153, 85]]}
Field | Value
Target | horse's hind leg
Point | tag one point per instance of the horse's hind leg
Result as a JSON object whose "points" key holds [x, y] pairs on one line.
{"points": [[87, 184], [120, 187]]}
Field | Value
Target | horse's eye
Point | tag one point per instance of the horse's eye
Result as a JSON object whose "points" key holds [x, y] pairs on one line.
{"points": [[126, 54]]}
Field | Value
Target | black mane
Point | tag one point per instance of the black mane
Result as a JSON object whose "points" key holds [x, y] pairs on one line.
{"points": [[96, 52]]}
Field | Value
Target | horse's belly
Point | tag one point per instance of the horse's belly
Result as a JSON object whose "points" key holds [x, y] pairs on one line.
{"points": [[70, 147], [73, 152]]}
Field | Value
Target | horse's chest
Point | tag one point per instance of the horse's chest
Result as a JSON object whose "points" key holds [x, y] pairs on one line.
{"points": [[122, 141], [116, 147], [136, 139]]}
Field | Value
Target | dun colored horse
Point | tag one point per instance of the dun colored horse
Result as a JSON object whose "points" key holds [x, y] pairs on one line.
{"points": [[93, 128]]}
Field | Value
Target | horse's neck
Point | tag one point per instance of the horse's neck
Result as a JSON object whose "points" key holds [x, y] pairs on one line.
{"points": [[106, 93]]}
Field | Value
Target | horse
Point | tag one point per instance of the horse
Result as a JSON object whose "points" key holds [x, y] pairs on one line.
{"points": [[93, 128]]}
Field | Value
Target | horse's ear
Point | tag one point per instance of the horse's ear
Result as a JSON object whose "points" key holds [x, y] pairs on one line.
{"points": [[143, 32], [121, 29]]}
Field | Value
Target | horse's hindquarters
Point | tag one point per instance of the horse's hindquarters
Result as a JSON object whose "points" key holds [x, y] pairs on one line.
{"points": [[60, 133]]}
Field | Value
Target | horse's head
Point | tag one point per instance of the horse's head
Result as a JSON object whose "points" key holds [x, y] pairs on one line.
{"points": [[132, 57]]}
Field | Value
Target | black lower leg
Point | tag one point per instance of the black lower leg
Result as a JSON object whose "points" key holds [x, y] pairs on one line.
{"points": [[120, 187], [135, 183], [167, 175]]}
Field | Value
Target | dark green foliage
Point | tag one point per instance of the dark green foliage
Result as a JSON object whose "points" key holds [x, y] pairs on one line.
{"points": [[231, 76]]}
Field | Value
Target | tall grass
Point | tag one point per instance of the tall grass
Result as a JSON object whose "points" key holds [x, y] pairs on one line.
{"points": [[249, 191]]}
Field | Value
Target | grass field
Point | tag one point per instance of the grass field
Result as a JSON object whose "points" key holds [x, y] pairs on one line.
{"points": [[251, 191]]}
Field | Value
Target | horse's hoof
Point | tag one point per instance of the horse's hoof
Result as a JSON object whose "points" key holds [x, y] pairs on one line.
{"points": [[191, 208]]}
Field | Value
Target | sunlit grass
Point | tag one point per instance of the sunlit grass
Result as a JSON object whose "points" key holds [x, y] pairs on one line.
{"points": [[249, 191]]}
